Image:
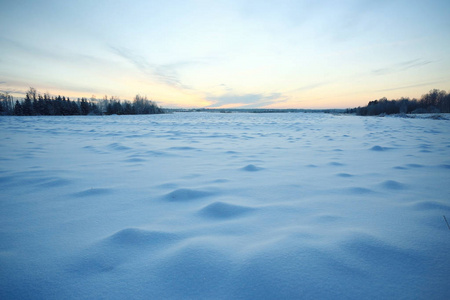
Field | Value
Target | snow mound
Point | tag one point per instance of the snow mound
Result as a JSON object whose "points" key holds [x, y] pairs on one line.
{"points": [[344, 175], [414, 166], [186, 195], [379, 148], [123, 247], [135, 160], [431, 205], [118, 147], [137, 237], [222, 210], [393, 185], [252, 168], [336, 164], [55, 182], [183, 148], [360, 191], [379, 254], [92, 192]]}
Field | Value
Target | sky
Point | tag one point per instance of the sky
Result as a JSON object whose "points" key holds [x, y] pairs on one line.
{"points": [[222, 54]]}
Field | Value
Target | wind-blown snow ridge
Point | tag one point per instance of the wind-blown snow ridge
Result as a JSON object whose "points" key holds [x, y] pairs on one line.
{"points": [[379, 148], [222, 210], [393, 185], [92, 192], [135, 237], [186, 195], [252, 168]]}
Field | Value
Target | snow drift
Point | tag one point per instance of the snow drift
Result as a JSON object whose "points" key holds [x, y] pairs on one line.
{"points": [[224, 206]]}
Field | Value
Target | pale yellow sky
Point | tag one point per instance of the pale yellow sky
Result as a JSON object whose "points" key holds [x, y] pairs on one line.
{"points": [[280, 54]]}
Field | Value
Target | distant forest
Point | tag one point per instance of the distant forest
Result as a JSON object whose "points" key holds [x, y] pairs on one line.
{"points": [[35, 104], [435, 101]]}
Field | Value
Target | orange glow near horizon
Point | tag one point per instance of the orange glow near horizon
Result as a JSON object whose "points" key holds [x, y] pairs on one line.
{"points": [[175, 98]]}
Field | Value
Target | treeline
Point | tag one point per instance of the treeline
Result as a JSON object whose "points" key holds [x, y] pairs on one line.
{"points": [[35, 104], [436, 101]]}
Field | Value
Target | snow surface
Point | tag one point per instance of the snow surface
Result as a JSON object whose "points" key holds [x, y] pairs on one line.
{"points": [[224, 206]]}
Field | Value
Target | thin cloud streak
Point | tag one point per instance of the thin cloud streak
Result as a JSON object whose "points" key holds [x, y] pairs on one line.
{"points": [[403, 66], [312, 86], [245, 100], [50, 54], [410, 86], [13, 91], [164, 73]]}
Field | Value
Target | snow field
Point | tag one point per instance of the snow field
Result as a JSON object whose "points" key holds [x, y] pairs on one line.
{"points": [[224, 206]]}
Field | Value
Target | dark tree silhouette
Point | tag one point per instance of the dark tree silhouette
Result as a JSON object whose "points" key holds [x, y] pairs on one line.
{"points": [[18, 109], [6, 104], [27, 107], [435, 101], [36, 104]]}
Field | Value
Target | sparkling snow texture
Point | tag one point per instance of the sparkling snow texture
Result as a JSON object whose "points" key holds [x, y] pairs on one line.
{"points": [[224, 206]]}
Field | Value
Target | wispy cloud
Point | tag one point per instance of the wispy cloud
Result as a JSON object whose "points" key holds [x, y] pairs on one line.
{"points": [[164, 73], [136, 60], [245, 100], [402, 66], [50, 54], [8, 89], [312, 86], [410, 86]]}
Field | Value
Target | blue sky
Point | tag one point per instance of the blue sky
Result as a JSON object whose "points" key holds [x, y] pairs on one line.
{"points": [[302, 54]]}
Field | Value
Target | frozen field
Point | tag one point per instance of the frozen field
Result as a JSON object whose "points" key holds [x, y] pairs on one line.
{"points": [[224, 206]]}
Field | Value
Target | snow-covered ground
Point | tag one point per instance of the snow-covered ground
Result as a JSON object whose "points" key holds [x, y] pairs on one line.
{"points": [[224, 206]]}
